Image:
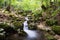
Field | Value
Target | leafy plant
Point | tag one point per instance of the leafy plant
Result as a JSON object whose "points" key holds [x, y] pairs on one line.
{"points": [[56, 29], [51, 22]]}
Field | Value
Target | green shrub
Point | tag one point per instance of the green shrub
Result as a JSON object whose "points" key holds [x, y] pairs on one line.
{"points": [[56, 29], [51, 22]]}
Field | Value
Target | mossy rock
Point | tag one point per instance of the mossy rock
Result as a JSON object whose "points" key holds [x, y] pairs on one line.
{"points": [[13, 17], [56, 29], [23, 33], [10, 15], [2, 25], [18, 24], [9, 31], [49, 37], [32, 26]]}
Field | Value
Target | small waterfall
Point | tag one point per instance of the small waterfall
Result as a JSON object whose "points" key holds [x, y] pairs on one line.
{"points": [[30, 33], [26, 24]]}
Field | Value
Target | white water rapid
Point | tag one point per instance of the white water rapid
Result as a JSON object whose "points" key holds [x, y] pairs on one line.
{"points": [[30, 33]]}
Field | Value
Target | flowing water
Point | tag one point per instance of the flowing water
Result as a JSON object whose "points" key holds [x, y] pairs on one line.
{"points": [[31, 34]]}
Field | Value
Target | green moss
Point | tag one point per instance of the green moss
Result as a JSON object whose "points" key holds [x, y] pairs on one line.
{"points": [[56, 29], [32, 26], [49, 37], [2, 25], [23, 33], [51, 22], [18, 24]]}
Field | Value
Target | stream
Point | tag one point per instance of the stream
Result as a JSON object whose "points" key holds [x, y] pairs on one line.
{"points": [[31, 34]]}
